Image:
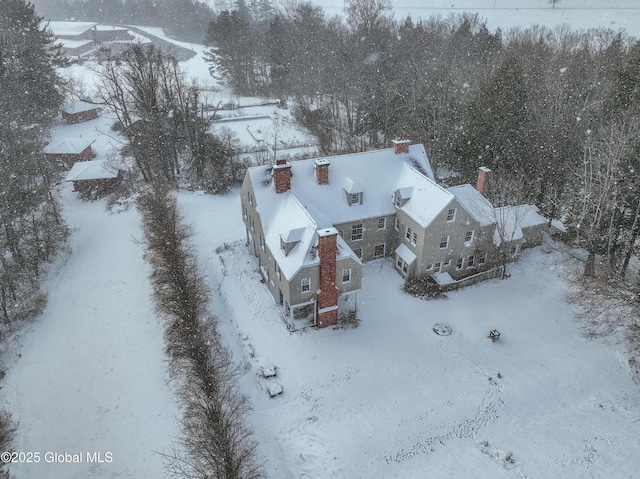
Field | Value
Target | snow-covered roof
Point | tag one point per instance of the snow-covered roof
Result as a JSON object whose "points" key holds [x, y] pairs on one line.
{"points": [[78, 106], [377, 174], [67, 43], [309, 206], [67, 146], [474, 203], [511, 219], [70, 28], [91, 170], [405, 253]]}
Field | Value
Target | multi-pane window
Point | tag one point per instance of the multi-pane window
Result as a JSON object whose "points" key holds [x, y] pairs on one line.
{"points": [[471, 261], [399, 262], [451, 214], [346, 275], [251, 222], [305, 285], [414, 238], [262, 242], [429, 266], [446, 263], [278, 271], [437, 267], [244, 212], [468, 237], [396, 224], [444, 242], [482, 258], [459, 264], [398, 200], [378, 251], [355, 198], [356, 232], [408, 233], [358, 252], [382, 223]]}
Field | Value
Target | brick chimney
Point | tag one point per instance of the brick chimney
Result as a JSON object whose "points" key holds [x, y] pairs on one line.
{"points": [[322, 171], [401, 144], [484, 174], [282, 176], [328, 293]]}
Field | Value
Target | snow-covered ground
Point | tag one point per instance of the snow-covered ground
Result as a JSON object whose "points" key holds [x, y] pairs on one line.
{"points": [[388, 399], [393, 399], [91, 376]]}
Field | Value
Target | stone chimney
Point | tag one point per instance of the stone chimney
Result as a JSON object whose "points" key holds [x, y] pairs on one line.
{"points": [[322, 171], [282, 176], [401, 144], [484, 174], [328, 293]]}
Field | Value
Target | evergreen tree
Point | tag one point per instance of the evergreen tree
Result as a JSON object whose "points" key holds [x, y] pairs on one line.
{"points": [[30, 95]]}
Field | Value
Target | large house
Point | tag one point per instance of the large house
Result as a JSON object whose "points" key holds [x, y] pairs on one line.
{"points": [[312, 223]]}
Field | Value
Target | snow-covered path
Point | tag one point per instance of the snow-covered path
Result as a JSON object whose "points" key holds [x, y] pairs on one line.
{"points": [[91, 380]]}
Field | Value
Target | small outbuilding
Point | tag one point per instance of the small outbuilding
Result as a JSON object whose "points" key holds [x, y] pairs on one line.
{"points": [[93, 175], [79, 111], [65, 152]]}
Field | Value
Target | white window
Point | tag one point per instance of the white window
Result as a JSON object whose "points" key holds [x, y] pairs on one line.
{"points": [[429, 266], [262, 241], [378, 250], [283, 246], [346, 275], [437, 267], [471, 261], [356, 232], [482, 258], [398, 200], [251, 222], [405, 267], [444, 242], [244, 212], [250, 198], [355, 198], [451, 214], [305, 285], [396, 224], [358, 252], [382, 223], [446, 263], [408, 233], [278, 271], [399, 262], [414, 238], [468, 237], [459, 263]]}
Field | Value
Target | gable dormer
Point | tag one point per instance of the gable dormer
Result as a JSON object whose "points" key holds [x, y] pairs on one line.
{"points": [[353, 191], [402, 195], [289, 240]]}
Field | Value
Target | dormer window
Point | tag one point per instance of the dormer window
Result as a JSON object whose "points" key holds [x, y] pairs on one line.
{"points": [[353, 190], [402, 195], [291, 239]]}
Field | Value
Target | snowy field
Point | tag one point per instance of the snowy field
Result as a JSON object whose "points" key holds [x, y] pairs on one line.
{"points": [[388, 399]]}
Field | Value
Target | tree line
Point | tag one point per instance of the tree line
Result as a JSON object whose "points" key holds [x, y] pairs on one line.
{"points": [[553, 113], [32, 230], [215, 441]]}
